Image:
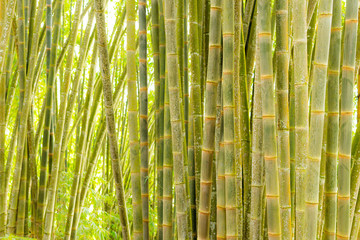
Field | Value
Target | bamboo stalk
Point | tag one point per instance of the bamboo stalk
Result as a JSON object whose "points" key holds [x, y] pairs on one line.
{"points": [[176, 121], [347, 87], [268, 118], [301, 111], [212, 80], [143, 110], [105, 67]]}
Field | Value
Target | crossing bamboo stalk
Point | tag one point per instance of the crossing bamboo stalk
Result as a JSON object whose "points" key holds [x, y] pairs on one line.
{"points": [[109, 110]]}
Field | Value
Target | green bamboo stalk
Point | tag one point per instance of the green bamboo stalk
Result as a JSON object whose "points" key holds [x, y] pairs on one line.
{"points": [[46, 135], [229, 114], [212, 80], [176, 121], [347, 87], [20, 218], [160, 171], [110, 121], [257, 181], [144, 149], [220, 164], [330, 192], [245, 136], [301, 111], [195, 94], [317, 104], [6, 13], [133, 120], [268, 115], [23, 112], [168, 169], [282, 91], [240, 207], [249, 12], [65, 90]]}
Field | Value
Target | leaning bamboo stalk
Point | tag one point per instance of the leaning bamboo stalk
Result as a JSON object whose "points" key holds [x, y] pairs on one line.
{"points": [[23, 112], [212, 80], [64, 92], [176, 121], [268, 118], [109, 110], [347, 85], [6, 12], [245, 136], [301, 111]]}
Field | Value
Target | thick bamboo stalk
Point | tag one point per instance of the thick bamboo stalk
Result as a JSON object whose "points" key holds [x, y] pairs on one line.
{"points": [[109, 110], [317, 105], [212, 80], [282, 92], [6, 13], [330, 191], [301, 111], [133, 120], [176, 120], [195, 94], [229, 114], [268, 118], [347, 88], [23, 112]]}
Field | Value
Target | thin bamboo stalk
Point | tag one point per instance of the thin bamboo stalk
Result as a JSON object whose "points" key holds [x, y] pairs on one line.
{"points": [[168, 169], [144, 149]]}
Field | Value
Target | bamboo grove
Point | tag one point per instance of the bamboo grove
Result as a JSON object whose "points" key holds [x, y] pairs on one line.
{"points": [[180, 119]]}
